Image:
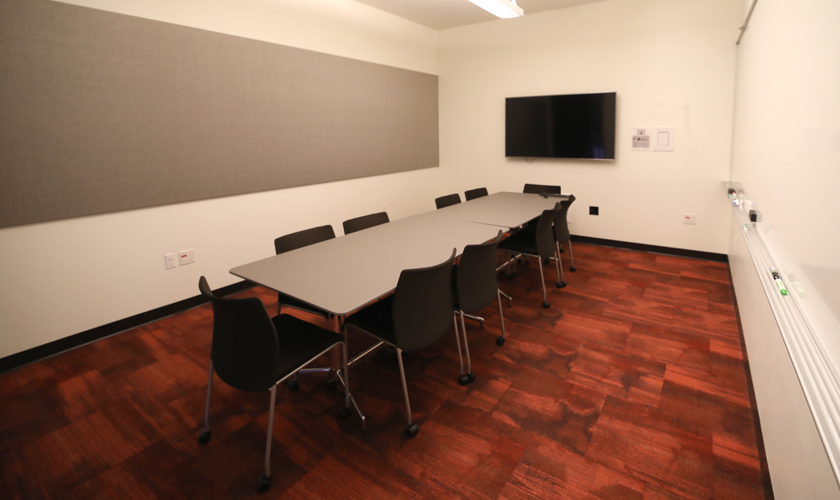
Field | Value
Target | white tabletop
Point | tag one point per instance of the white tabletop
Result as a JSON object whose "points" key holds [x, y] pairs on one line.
{"points": [[343, 274], [502, 209]]}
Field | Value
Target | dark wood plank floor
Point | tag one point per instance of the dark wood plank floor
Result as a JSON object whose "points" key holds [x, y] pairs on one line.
{"points": [[632, 385]]}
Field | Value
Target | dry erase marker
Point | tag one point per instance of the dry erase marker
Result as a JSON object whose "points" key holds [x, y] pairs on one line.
{"points": [[778, 280]]}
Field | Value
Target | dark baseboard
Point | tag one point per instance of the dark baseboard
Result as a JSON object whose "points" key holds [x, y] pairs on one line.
{"points": [[680, 252], [78, 339]]}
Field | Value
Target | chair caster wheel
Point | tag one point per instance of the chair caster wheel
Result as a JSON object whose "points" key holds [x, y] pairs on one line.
{"points": [[545, 261], [562, 250], [412, 430], [519, 262], [471, 375], [293, 385], [512, 276], [546, 305], [573, 269], [344, 413], [331, 384], [562, 284], [481, 325], [500, 341], [264, 484], [204, 437], [464, 379]]}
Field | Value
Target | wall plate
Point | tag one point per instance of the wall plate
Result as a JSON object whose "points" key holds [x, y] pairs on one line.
{"points": [[662, 139]]}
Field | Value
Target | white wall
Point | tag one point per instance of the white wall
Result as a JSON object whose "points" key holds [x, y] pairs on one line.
{"points": [[672, 64], [64, 277]]}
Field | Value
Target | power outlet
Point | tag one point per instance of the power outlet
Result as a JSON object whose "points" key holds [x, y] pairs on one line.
{"points": [[186, 257], [593, 210], [689, 219], [170, 261]]}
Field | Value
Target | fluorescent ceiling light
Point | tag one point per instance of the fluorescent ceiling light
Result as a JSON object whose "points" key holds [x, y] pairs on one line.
{"points": [[500, 8]]}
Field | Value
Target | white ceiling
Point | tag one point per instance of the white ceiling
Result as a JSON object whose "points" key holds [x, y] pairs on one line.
{"points": [[442, 14]]}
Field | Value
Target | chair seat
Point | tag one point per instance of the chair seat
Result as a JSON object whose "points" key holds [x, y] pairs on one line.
{"points": [[288, 301], [522, 242], [377, 319], [297, 340]]}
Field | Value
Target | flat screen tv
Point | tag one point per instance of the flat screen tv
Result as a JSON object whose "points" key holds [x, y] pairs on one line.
{"points": [[561, 126]]}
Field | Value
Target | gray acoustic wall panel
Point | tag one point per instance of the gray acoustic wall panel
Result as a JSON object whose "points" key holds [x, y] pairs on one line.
{"points": [[101, 112]]}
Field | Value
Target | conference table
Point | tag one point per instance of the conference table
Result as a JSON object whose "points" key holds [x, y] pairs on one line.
{"points": [[344, 274]]}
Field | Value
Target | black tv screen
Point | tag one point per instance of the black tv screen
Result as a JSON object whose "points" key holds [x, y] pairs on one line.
{"points": [[561, 126]]}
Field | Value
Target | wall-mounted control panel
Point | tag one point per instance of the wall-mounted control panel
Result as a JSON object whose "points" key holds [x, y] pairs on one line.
{"points": [[182, 258]]}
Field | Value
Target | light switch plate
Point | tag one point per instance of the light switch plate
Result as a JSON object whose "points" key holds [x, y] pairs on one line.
{"points": [[169, 260], [662, 139], [689, 219]]}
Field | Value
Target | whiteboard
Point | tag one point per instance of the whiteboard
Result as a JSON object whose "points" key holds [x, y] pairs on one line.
{"points": [[786, 146]]}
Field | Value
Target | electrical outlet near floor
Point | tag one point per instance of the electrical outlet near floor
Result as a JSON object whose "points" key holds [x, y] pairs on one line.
{"points": [[593, 210]]}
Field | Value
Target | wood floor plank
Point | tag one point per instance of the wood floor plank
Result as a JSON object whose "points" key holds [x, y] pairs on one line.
{"points": [[547, 405], [551, 471], [627, 377], [642, 440]]}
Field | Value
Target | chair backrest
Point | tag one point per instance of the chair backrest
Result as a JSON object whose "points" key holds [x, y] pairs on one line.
{"points": [[561, 222], [244, 351], [445, 201], [365, 221], [545, 232], [422, 307], [303, 238], [475, 193], [567, 203], [540, 188], [475, 276]]}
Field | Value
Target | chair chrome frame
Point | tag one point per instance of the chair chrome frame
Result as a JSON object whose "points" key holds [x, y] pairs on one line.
{"points": [[511, 263], [265, 481]]}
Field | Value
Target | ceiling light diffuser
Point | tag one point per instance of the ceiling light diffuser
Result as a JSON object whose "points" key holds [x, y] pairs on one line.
{"points": [[500, 8]]}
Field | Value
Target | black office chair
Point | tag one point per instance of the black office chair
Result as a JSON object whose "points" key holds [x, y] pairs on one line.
{"points": [[561, 232], [539, 244], [415, 316], [294, 241], [475, 193], [540, 189], [253, 352], [475, 287], [365, 221], [448, 200]]}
